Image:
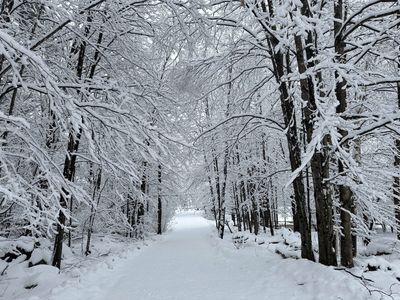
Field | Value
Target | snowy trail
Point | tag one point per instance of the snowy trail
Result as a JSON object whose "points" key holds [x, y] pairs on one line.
{"points": [[190, 263]]}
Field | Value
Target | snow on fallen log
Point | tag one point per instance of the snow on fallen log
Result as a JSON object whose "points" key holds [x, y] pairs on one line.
{"points": [[287, 251]]}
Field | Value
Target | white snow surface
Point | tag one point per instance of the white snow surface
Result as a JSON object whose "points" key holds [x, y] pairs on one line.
{"points": [[190, 262]]}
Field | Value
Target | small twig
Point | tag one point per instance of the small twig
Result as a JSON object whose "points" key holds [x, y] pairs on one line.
{"points": [[105, 254], [362, 278], [364, 281], [2, 272]]}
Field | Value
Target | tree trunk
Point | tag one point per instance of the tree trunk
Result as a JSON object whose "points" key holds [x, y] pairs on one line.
{"points": [[93, 207], [69, 170], [287, 105], [237, 206], [74, 141], [221, 210], [210, 183], [396, 179], [295, 160], [141, 205], [396, 183], [320, 160], [159, 206], [345, 193]]}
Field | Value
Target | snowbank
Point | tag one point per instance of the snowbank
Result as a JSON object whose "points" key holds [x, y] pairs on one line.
{"points": [[25, 272]]}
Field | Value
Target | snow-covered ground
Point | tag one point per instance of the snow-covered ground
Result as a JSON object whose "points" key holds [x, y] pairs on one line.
{"points": [[190, 262]]}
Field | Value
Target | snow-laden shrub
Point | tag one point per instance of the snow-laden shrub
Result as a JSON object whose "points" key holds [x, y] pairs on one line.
{"points": [[381, 246], [239, 240], [376, 263], [27, 250]]}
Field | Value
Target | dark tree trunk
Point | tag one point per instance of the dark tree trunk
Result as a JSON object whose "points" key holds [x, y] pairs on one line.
{"points": [[396, 184], [212, 194], [70, 159], [320, 160], [69, 170], [345, 193], [219, 187], [141, 204], [396, 179], [295, 160], [159, 206], [237, 206], [254, 207], [221, 211], [93, 207], [287, 105], [248, 219]]}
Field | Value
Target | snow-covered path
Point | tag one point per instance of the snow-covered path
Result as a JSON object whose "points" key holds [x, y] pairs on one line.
{"points": [[191, 263]]}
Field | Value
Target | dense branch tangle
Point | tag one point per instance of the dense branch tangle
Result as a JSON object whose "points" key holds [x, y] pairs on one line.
{"points": [[95, 105], [322, 56], [97, 96]]}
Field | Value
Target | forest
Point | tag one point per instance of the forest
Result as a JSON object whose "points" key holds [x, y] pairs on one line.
{"points": [[273, 124]]}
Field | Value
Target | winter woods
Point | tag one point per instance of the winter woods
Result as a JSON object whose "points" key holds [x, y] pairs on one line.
{"points": [[290, 110], [84, 120], [298, 117]]}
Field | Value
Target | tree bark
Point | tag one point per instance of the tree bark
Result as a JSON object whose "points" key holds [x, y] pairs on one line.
{"points": [[320, 160], [294, 157], [70, 159], [396, 179], [93, 208], [159, 204], [345, 193]]}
